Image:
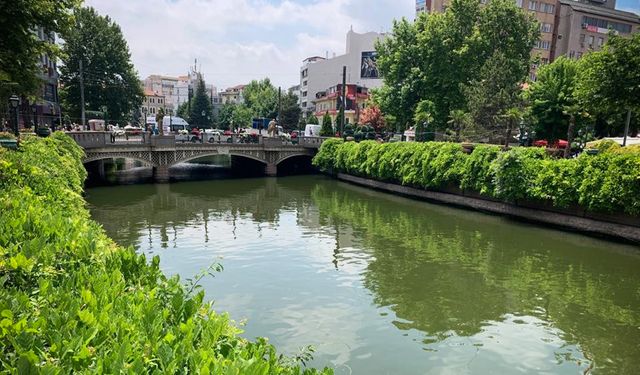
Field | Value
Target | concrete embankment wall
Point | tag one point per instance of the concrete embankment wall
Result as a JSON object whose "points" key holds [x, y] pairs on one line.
{"points": [[622, 227]]}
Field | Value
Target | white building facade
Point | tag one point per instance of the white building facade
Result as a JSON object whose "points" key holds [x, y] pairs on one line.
{"points": [[317, 74]]}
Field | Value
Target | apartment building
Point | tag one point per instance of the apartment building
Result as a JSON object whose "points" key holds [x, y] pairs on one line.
{"points": [[317, 73], [328, 101], [567, 27], [585, 26], [152, 102], [233, 95], [176, 90]]}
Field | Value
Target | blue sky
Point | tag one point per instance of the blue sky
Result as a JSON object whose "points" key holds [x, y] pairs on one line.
{"points": [[236, 41]]}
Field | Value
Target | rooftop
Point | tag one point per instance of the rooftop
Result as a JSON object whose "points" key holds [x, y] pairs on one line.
{"points": [[601, 11]]}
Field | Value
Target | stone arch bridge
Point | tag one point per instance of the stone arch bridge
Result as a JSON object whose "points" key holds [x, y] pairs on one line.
{"points": [[162, 152]]}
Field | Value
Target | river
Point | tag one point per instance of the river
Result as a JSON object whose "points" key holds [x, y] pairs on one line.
{"points": [[380, 284]]}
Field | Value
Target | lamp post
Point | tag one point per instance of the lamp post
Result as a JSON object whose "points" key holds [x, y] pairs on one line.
{"points": [[14, 101], [34, 109], [203, 114]]}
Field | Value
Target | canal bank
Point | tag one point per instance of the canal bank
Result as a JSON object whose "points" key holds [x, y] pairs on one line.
{"points": [[620, 227], [596, 194]]}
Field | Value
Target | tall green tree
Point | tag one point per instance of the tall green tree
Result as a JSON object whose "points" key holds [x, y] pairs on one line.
{"points": [[201, 113], [261, 97], [225, 116], [109, 76], [312, 119], [436, 57], [549, 97], [20, 47], [609, 79], [327, 127], [496, 90], [242, 116], [290, 112]]}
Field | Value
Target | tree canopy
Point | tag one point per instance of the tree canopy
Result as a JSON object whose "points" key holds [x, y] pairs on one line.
{"points": [[549, 97], [261, 97], [438, 56], [201, 113], [109, 76], [290, 112], [20, 46]]}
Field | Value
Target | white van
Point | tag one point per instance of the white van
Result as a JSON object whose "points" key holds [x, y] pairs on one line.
{"points": [[312, 130]]}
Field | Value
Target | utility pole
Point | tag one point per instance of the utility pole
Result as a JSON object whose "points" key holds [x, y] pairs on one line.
{"points": [[82, 116], [343, 101], [279, 104], [626, 128]]}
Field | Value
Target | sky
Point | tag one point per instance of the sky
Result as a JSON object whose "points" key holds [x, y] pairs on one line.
{"points": [[236, 41]]}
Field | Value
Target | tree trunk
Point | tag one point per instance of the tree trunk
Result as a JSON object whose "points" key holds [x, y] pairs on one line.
{"points": [[507, 136], [572, 125]]}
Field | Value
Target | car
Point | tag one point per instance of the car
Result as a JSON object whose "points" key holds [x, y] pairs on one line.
{"points": [[132, 130], [560, 143]]}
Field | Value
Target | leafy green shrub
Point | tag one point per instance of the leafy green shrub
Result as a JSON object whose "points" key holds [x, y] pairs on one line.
{"points": [[607, 182], [514, 171], [72, 301], [324, 159], [604, 145], [477, 173]]}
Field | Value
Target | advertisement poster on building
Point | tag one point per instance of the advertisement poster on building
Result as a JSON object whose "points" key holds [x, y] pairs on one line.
{"points": [[369, 65]]}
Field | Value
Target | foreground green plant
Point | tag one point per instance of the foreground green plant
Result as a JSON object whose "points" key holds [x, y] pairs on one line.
{"points": [[607, 182], [72, 301]]}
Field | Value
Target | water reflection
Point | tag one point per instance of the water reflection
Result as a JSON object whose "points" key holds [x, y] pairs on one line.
{"points": [[387, 285]]}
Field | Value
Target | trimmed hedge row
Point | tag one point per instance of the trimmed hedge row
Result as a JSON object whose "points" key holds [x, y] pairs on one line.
{"points": [[607, 182], [72, 301]]}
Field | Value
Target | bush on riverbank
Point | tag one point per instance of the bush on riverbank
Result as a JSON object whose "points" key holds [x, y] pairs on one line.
{"points": [[73, 301], [607, 182]]}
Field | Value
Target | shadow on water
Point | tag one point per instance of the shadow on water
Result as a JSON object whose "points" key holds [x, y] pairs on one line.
{"points": [[476, 293]]}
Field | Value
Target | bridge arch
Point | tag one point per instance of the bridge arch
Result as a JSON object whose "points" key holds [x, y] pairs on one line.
{"points": [[293, 155], [93, 158]]}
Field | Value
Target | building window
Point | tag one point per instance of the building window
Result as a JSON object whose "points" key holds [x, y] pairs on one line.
{"points": [[545, 27], [572, 54], [542, 44], [304, 104], [590, 40], [304, 83], [519, 3], [304, 94], [533, 76], [547, 8], [604, 24], [533, 5], [544, 60], [600, 41]]}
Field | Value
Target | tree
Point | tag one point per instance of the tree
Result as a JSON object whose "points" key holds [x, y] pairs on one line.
{"points": [[261, 97], [20, 48], [511, 118], [242, 116], [108, 74], [550, 95], [495, 91], [422, 117], [372, 115], [327, 128], [225, 116], [609, 80], [201, 114], [183, 111], [290, 112], [312, 119], [437, 57], [458, 122]]}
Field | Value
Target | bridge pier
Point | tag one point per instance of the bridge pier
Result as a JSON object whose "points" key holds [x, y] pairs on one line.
{"points": [[161, 174], [271, 170]]}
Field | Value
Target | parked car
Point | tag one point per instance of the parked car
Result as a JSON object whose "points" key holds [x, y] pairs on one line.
{"points": [[560, 143]]}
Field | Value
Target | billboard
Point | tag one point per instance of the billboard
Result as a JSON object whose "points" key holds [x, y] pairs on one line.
{"points": [[369, 65]]}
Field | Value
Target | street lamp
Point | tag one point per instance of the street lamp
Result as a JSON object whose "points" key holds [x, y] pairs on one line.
{"points": [[14, 101]]}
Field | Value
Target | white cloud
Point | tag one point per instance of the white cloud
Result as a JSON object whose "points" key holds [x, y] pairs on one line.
{"points": [[236, 41]]}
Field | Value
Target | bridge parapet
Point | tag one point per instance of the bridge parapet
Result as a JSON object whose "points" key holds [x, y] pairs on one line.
{"points": [[91, 139]]}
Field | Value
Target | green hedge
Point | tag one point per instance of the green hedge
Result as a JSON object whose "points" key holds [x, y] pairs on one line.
{"points": [[72, 301], [607, 182]]}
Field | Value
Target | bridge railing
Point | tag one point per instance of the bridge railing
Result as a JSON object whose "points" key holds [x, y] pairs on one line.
{"points": [[90, 139]]}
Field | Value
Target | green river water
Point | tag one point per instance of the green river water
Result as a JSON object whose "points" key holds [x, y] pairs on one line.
{"points": [[380, 284]]}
